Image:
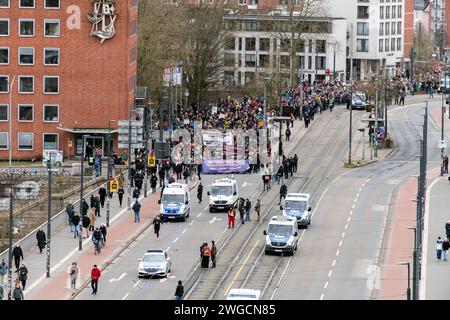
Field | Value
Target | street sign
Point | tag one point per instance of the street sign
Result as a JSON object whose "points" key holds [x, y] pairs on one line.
{"points": [[133, 137], [162, 150], [133, 146], [134, 123], [151, 161], [442, 144], [133, 130], [114, 186]]}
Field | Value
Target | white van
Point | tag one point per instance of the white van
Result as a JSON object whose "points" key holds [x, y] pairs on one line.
{"points": [[175, 202], [244, 294], [223, 195], [297, 205], [281, 235]]}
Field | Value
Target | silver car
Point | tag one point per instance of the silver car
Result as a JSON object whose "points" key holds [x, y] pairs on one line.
{"points": [[154, 263]]}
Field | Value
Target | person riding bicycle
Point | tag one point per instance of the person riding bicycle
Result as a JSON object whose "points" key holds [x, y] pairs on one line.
{"points": [[97, 239]]}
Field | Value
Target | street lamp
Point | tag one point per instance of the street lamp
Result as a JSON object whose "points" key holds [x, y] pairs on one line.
{"points": [[415, 265], [49, 211], [108, 191], [408, 290], [363, 131], [129, 155], [10, 190], [80, 235]]}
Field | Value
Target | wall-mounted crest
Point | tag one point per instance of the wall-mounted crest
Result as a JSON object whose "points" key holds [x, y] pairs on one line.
{"points": [[102, 19]]}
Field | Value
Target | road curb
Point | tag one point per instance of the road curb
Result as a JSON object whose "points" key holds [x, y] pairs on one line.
{"points": [[119, 252]]}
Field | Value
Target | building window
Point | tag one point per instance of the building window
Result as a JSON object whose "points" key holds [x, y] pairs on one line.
{"points": [[309, 63], [362, 45], [285, 44], [363, 12], [51, 84], [26, 113], [264, 60], [133, 27], [242, 2], [230, 43], [51, 56], [393, 12], [51, 113], [4, 84], [400, 11], [285, 61], [4, 3], [26, 3], [381, 29], [250, 44], [26, 56], [399, 44], [386, 45], [321, 63], [380, 45], [300, 45], [321, 46], [264, 44], [388, 12], [51, 4], [387, 32], [393, 44], [3, 112], [50, 141], [392, 27], [4, 56], [51, 28], [250, 60], [4, 27], [362, 29], [3, 140], [26, 141], [229, 59], [26, 84], [399, 27], [26, 27], [381, 12]]}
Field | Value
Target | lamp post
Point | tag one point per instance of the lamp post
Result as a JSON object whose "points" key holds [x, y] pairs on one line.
{"points": [[408, 290], [108, 190], [10, 190], [80, 234], [363, 131], [129, 157], [442, 131], [49, 211], [350, 125], [415, 264]]}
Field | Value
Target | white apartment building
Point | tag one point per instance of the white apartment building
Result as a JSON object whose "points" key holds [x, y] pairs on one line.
{"points": [[375, 30], [256, 46], [438, 22]]}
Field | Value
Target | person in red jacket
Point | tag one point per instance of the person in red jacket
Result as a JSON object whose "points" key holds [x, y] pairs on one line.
{"points": [[95, 275], [231, 217]]}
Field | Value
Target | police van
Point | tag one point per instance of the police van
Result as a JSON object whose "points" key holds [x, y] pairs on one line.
{"points": [[281, 235], [297, 205], [223, 195], [175, 202]]}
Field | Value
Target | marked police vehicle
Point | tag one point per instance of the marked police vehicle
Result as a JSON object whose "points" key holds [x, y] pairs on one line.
{"points": [[223, 195], [244, 294], [281, 235], [175, 202], [296, 205]]}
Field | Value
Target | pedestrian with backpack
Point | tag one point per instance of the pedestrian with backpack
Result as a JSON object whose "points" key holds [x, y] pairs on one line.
{"points": [[137, 210], [97, 241]]}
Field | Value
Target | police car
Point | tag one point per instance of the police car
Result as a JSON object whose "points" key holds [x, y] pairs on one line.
{"points": [[175, 202], [281, 235], [297, 205]]}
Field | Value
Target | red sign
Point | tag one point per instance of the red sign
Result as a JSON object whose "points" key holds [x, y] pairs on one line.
{"points": [[327, 72]]}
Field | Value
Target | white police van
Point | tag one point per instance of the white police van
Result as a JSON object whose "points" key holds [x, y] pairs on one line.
{"points": [[297, 205], [281, 235], [223, 195], [244, 294], [175, 202]]}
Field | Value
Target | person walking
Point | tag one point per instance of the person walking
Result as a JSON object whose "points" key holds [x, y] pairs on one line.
{"points": [[231, 217], [1, 292], [258, 207], [206, 254], [41, 240], [3, 271], [137, 210], [186, 175], [97, 206], [85, 207], [445, 164], [120, 194], [247, 206], [23, 275], [74, 271], [136, 193], [200, 192], [92, 219], [179, 291], [97, 240], [75, 225], [438, 248], [92, 201], [295, 161], [104, 232], [445, 247], [86, 222], [241, 212], [280, 174], [157, 225], [213, 253], [17, 254], [283, 192], [95, 276], [18, 293], [70, 210], [102, 195], [153, 182], [288, 133]]}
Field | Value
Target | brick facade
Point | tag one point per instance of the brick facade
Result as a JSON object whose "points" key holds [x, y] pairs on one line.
{"points": [[96, 80]]}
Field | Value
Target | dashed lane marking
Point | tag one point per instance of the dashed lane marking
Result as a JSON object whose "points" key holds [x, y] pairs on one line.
{"points": [[340, 243], [136, 284], [321, 296], [125, 296], [337, 253], [168, 248], [178, 238], [343, 234], [334, 262], [326, 285], [329, 273], [183, 231]]}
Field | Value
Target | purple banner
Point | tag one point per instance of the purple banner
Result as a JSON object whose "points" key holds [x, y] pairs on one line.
{"points": [[224, 166]]}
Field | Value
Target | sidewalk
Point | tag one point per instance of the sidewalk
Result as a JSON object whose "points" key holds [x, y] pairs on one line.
{"points": [[64, 249]]}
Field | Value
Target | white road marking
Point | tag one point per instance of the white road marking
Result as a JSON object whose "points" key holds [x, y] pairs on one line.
{"points": [[119, 278], [205, 209], [246, 184], [321, 296], [125, 296], [353, 207], [334, 262], [162, 280], [136, 284], [199, 214], [326, 285], [212, 220], [356, 200], [351, 212], [192, 222], [337, 253], [343, 234], [357, 195], [360, 189], [346, 226], [423, 282], [178, 238], [340, 243], [168, 248], [183, 231], [329, 273], [368, 180], [349, 218]]}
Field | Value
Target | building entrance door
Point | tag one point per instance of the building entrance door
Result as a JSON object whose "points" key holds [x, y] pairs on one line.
{"points": [[95, 142]]}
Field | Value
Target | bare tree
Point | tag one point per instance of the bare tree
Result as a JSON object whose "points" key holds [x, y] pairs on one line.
{"points": [[424, 45]]}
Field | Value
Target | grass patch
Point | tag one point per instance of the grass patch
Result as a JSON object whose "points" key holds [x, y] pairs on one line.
{"points": [[20, 163]]}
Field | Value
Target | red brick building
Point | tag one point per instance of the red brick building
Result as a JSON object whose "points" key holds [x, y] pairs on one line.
{"points": [[67, 82]]}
